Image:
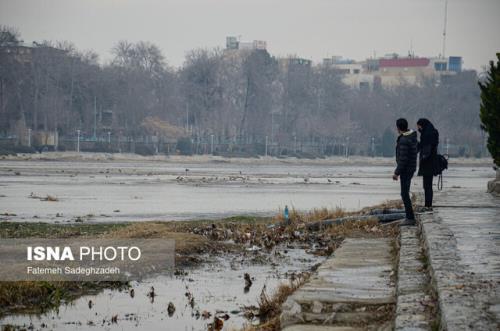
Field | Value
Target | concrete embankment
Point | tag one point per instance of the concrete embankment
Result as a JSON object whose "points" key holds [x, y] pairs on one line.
{"points": [[462, 241]]}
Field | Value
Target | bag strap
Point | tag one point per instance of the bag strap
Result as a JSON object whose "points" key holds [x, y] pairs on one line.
{"points": [[440, 182]]}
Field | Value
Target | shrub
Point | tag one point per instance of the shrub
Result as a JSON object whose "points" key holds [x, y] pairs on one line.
{"points": [[490, 109], [145, 150], [185, 146]]}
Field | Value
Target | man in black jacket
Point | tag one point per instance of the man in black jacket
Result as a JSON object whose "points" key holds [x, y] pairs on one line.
{"points": [[406, 159]]}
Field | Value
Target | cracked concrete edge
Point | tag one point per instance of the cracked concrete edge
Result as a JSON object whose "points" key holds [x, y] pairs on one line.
{"points": [[445, 276], [409, 314], [425, 245]]}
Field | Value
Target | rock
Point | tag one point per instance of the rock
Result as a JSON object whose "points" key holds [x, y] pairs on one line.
{"points": [[152, 294], [248, 282], [291, 313], [170, 309], [317, 307], [494, 185]]}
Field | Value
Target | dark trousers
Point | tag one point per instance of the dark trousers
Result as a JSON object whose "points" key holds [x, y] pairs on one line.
{"points": [[405, 180], [428, 190]]}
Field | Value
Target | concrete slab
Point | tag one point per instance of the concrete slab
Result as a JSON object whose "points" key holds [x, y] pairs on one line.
{"points": [[358, 273], [462, 244]]}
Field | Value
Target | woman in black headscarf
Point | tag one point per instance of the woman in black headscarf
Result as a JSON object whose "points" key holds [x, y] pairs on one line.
{"points": [[427, 147]]}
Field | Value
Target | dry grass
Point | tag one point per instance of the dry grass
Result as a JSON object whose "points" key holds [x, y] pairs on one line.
{"points": [[365, 229], [30, 296], [185, 243], [388, 204], [321, 214], [317, 214]]}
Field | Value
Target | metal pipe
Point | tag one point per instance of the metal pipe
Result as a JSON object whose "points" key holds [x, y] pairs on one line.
{"points": [[380, 217]]}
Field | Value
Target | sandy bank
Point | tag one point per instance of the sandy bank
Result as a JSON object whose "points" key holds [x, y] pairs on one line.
{"points": [[127, 157]]}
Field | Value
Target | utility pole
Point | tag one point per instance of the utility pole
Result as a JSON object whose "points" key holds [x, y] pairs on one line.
{"points": [[78, 141], [95, 118], [373, 146], [272, 127], [347, 148], [109, 137], [444, 29], [266, 146], [29, 137], [447, 146], [187, 117], [212, 144]]}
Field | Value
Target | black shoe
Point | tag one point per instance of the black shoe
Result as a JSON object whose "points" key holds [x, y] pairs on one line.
{"points": [[425, 209], [408, 222]]}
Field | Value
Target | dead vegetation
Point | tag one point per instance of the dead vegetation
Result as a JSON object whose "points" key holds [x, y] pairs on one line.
{"points": [[187, 245], [194, 238], [269, 309], [37, 297], [48, 197]]}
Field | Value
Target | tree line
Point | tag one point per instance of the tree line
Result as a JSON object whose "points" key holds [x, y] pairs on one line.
{"points": [[246, 97]]}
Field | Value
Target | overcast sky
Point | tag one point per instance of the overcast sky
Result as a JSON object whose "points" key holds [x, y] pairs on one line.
{"points": [[314, 29]]}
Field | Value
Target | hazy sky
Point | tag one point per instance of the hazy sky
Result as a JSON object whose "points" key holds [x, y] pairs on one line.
{"points": [[310, 28]]}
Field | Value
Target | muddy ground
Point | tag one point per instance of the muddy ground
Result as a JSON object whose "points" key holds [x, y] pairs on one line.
{"points": [[204, 248]]}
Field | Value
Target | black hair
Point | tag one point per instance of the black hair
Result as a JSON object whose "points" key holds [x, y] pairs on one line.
{"points": [[402, 124], [424, 123]]}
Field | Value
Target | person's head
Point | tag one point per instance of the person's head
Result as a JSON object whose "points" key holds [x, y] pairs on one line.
{"points": [[402, 125], [423, 123]]}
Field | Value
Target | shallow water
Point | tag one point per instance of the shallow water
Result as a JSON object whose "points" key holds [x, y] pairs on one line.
{"points": [[154, 190], [118, 191], [216, 286]]}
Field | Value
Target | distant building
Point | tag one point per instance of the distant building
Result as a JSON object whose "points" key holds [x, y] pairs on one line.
{"points": [[336, 60], [299, 61], [23, 52], [295, 62], [233, 43], [392, 70]]}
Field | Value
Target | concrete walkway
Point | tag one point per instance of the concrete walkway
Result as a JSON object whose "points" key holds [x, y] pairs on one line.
{"points": [[462, 240], [352, 290]]}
